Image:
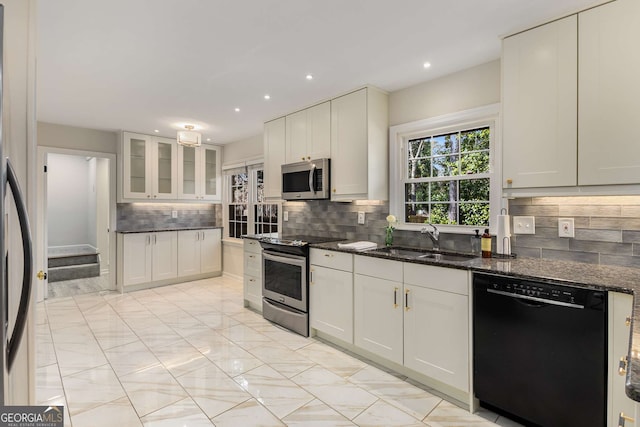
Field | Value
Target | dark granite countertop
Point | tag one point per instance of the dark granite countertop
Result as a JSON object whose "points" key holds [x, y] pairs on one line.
{"points": [[602, 277], [158, 230]]}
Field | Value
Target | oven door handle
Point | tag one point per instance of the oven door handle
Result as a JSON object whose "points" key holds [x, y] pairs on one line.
{"points": [[286, 259]]}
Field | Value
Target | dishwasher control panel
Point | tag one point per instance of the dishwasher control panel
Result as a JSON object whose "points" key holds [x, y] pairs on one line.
{"points": [[535, 290]]}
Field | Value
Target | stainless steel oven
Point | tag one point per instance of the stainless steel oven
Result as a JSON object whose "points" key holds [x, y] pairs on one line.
{"points": [[285, 281]]}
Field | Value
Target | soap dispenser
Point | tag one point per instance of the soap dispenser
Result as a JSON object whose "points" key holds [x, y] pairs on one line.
{"points": [[475, 243], [486, 244]]}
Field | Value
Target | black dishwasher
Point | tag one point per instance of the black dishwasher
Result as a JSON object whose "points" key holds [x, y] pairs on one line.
{"points": [[540, 351]]}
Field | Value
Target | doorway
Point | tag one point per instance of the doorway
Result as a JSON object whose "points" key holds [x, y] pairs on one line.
{"points": [[77, 250]]}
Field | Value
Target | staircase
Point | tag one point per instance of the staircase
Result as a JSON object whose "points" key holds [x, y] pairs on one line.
{"points": [[68, 266]]}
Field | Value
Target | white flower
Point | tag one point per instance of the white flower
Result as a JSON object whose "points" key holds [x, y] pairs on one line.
{"points": [[391, 219]]}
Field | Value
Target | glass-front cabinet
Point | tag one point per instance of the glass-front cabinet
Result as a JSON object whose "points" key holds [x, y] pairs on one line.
{"points": [[150, 167], [199, 173]]}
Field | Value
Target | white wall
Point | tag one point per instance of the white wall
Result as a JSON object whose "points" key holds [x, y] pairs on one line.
{"points": [[75, 138], [68, 200], [473, 87]]}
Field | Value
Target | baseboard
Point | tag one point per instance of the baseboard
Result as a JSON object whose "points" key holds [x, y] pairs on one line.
{"points": [[232, 276]]}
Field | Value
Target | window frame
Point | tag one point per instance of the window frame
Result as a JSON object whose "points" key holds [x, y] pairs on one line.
{"points": [[399, 135], [252, 198]]}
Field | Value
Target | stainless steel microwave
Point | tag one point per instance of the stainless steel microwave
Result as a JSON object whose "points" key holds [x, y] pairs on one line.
{"points": [[306, 180]]}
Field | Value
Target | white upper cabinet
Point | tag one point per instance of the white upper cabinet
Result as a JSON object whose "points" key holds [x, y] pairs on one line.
{"points": [[539, 89], [609, 94], [274, 157], [308, 134], [359, 146], [150, 167], [156, 168], [199, 173]]}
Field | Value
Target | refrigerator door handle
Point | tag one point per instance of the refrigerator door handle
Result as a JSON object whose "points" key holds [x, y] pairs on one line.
{"points": [[27, 272]]}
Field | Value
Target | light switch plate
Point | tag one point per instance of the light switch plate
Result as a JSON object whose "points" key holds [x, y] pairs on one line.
{"points": [[524, 225], [360, 217], [566, 227], [174, 214], [285, 216]]}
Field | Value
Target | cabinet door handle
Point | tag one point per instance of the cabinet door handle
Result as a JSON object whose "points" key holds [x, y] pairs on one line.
{"points": [[148, 240], [622, 419], [395, 297], [622, 366], [311, 277], [203, 235], [627, 321], [406, 300]]}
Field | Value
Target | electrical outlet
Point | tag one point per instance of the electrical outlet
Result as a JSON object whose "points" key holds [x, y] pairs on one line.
{"points": [[566, 227], [524, 225], [174, 214], [360, 217], [285, 216]]}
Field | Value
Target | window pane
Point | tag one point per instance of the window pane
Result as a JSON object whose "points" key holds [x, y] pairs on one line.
{"points": [[419, 168], [474, 214], [474, 189], [440, 145], [444, 213], [419, 148], [476, 139], [475, 162], [444, 191], [417, 192], [417, 212]]}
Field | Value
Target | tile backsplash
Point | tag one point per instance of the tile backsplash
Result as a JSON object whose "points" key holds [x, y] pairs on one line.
{"points": [[607, 229], [136, 216], [340, 220]]}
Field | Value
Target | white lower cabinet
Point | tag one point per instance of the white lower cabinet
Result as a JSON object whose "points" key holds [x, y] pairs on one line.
{"points": [[621, 409], [331, 293], [436, 323], [414, 315], [252, 274], [149, 257], [199, 252]]}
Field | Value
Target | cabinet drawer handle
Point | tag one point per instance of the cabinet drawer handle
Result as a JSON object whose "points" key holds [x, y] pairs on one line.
{"points": [[627, 321], [624, 418], [395, 297], [406, 300], [622, 366], [328, 255], [252, 256], [252, 280]]}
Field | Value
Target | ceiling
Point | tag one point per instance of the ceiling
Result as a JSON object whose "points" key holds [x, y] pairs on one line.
{"points": [[146, 65]]}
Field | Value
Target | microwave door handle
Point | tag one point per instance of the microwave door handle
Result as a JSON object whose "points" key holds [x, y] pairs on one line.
{"points": [[312, 172]]}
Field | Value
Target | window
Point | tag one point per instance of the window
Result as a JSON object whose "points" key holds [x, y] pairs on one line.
{"points": [[444, 170], [245, 196]]}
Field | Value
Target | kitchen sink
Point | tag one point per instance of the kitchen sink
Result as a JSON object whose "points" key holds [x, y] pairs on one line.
{"points": [[410, 253]]}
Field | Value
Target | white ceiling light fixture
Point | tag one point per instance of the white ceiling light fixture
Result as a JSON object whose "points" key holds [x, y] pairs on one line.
{"points": [[309, 77], [237, 110], [267, 97], [189, 137], [426, 65]]}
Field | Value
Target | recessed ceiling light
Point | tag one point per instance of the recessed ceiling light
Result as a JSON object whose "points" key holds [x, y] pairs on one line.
{"points": [[426, 65], [267, 97], [208, 139], [237, 110], [156, 130], [309, 77]]}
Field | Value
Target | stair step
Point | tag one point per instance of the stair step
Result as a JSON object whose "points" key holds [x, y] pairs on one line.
{"points": [[61, 261], [70, 272]]}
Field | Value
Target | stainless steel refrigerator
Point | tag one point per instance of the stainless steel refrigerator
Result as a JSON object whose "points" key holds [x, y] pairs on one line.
{"points": [[14, 318]]}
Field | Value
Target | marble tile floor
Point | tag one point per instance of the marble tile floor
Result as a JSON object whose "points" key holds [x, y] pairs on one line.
{"points": [[192, 355], [69, 288]]}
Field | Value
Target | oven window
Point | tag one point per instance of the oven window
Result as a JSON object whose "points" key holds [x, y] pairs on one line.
{"points": [[284, 279]]}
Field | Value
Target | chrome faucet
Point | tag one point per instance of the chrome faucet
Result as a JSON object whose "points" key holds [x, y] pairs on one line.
{"points": [[433, 235]]}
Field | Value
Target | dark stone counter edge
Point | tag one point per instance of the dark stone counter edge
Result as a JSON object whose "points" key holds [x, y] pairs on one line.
{"points": [[598, 277], [158, 230]]}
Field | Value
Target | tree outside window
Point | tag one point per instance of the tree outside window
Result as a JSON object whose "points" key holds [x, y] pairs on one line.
{"points": [[447, 178]]}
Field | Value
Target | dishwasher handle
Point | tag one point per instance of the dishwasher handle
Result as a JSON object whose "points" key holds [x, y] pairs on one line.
{"points": [[543, 301]]}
